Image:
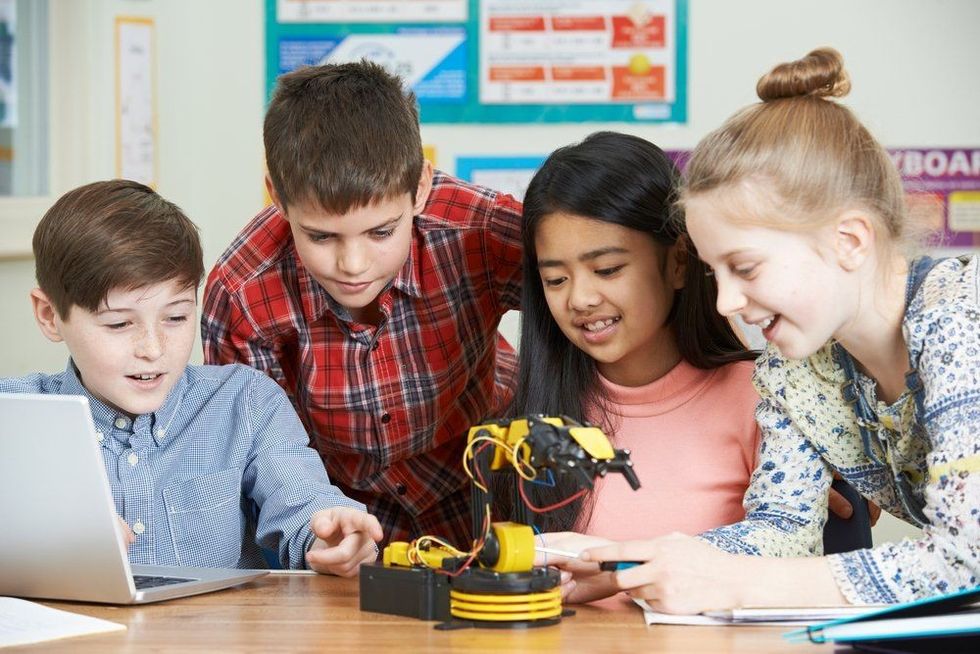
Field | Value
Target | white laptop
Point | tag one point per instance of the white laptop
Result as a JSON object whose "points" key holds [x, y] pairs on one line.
{"points": [[58, 531]]}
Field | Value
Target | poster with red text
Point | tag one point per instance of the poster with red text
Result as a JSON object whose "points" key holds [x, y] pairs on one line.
{"points": [[577, 52]]}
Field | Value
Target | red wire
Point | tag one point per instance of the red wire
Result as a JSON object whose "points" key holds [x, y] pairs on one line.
{"points": [[552, 507], [520, 486], [486, 520], [476, 550], [476, 467]]}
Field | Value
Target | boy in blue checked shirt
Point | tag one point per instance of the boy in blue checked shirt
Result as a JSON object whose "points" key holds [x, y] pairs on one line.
{"points": [[371, 291], [207, 464]]}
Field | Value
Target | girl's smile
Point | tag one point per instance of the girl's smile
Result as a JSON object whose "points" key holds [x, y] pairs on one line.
{"points": [[610, 289]]}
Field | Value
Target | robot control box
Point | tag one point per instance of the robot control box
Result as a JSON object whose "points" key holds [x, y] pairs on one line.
{"points": [[415, 592]]}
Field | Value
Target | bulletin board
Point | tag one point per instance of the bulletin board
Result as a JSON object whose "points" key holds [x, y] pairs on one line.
{"points": [[501, 61], [943, 186], [506, 174]]}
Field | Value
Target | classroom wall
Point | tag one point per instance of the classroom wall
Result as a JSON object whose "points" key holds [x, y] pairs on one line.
{"points": [[911, 63], [210, 95]]}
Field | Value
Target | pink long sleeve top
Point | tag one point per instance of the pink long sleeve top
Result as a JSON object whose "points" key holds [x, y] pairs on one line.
{"points": [[694, 441]]}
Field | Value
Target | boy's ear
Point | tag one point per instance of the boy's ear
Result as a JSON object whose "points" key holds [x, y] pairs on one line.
{"points": [[425, 187], [677, 258], [46, 315], [854, 239], [271, 191]]}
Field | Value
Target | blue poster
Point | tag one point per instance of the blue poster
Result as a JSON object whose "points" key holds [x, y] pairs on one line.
{"points": [[505, 61]]}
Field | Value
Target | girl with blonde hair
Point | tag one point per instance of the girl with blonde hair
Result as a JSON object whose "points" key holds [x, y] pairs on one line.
{"points": [[870, 370]]}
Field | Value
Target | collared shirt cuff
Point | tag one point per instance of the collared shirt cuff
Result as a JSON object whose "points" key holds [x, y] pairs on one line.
{"points": [[839, 566]]}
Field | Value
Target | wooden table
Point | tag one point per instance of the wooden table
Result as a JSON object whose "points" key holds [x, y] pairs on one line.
{"points": [[312, 613]]}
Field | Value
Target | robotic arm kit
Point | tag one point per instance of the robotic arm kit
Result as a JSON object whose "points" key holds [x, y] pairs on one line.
{"points": [[495, 583]]}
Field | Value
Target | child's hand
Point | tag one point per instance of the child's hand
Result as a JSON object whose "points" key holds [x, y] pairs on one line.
{"points": [[581, 581], [125, 533], [841, 507], [681, 575], [345, 539], [568, 541]]}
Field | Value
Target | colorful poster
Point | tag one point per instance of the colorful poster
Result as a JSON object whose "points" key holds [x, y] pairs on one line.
{"points": [[501, 61], [579, 52], [371, 11], [506, 174], [943, 187], [431, 61]]}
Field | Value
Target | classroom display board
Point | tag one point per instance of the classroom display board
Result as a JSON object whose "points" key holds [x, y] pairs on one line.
{"points": [[941, 185], [501, 61], [506, 174], [944, 186]]}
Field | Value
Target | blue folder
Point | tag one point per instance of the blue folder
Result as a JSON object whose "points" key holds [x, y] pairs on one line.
{"points": [[945, 623]]}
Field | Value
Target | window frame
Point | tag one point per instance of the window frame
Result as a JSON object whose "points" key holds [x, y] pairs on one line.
{"points": [[71, 28]]}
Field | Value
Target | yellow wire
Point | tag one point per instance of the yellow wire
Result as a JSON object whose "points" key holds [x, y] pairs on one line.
{"points": [[415, 547], [468, 454], [518, 462], [522, 467]]}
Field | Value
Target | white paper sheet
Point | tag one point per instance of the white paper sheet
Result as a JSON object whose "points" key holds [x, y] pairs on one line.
{"points": [[23, 622], [756, 617]]}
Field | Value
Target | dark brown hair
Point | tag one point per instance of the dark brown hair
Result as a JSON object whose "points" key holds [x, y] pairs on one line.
{"points": [[342, 136], [109, 235]]}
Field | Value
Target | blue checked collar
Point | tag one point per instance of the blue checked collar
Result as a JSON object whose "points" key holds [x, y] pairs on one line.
{"points": [[107, 418]]}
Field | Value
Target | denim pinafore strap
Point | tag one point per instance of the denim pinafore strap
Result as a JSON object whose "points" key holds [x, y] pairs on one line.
{"points": [[867, 419]]}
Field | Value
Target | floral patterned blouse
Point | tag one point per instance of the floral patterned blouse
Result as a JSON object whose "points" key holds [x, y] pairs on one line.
{"points": [[809, 431]]}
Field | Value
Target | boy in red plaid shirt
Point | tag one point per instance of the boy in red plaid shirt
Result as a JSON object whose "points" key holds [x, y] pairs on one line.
{"points": [[371, 290]]}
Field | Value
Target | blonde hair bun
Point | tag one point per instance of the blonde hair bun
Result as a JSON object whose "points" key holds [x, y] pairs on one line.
{"points": [[819, 74]]}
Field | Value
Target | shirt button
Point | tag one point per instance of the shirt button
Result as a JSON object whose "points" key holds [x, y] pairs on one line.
{"points": [[133, 459], [99, 436], [385, 418], [138, 527], [160, 432], [376, 346], [400, 489], [121, 423]]}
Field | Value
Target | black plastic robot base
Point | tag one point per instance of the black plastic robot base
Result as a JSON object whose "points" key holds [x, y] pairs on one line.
{"points": [[422, 593], [415, 592]]}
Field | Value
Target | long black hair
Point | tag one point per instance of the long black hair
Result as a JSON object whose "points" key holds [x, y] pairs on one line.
{"points": [[627, 181]]}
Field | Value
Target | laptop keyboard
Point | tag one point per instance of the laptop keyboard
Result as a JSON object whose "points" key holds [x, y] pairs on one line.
{"points": [[147, 581]]}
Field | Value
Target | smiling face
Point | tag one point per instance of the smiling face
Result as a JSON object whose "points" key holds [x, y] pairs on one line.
{"points": [[786, 282], [131, 351], [610, 290]]}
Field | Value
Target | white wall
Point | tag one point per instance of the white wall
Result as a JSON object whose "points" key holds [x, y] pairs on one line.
{"points": [[913, 65], [210, 95]]}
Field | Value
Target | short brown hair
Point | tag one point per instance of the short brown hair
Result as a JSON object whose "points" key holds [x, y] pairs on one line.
{"points": [[108, 235], [343, 136]]}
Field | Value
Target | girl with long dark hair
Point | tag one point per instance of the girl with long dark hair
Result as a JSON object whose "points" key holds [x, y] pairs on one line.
{"points": [[619, 329]]}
